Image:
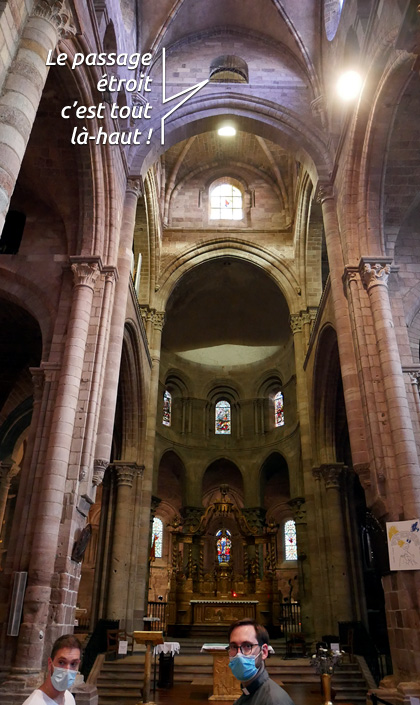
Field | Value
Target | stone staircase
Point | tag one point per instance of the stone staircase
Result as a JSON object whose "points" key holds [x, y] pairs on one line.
{"points": [[120, 681]]}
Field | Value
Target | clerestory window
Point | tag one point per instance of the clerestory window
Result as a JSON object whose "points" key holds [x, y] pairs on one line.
{"points": [[278, 410], [222, 417], [167, 408], [225, 202], [290, 544], [157, 538]]}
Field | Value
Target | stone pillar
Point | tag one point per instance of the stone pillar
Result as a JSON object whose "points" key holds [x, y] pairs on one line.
{"points": [[23, 88], [339, 564], [125, 474], [54, 476], [354, 409], [305, 591], [404, 485], [144, 536], [112, 373]]}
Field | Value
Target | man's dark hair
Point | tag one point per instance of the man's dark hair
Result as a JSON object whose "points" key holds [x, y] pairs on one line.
{"points": [[66, 641], [260, 632]]}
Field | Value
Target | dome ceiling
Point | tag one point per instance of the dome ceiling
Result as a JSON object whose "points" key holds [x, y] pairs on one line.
{"points": [[226, 312]]}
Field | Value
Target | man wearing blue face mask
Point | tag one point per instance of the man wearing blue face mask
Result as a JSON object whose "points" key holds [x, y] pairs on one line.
{"points": [[63, 666], [248, 649]]}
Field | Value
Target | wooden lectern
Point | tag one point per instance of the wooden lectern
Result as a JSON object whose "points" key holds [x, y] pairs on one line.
{"points": [[225, 685], [149, 639]]}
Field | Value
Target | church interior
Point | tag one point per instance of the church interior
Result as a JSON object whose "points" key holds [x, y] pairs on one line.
{"points": [[209, 400]]}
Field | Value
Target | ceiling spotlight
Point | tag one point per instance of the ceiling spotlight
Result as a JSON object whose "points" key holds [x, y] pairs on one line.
{"points": [[349, 85], [226, 131]]}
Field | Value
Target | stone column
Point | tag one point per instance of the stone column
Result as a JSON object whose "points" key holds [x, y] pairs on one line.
{"points": [[339, 565], [144, 548], [125, 474], [305, 591], [354, 409], [23, 88], [54, 476], [405, 482], [112, 373]]}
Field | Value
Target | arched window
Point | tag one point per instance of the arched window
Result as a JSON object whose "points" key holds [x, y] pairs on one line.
{"points": [[222, 417], [167, 404], [290, 545], [223, 545], [278, 410], [225, 202], [157, 538]]}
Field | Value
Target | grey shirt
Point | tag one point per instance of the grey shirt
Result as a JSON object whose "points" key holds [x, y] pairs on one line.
{"points": [[263, 691]]}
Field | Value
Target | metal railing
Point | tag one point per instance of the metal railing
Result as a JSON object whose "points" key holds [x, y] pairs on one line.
{"points": [[290, 619], [157, 609]]}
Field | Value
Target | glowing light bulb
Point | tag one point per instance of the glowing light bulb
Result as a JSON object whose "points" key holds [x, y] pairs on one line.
{"points": [[226, 131], [349, 85]]}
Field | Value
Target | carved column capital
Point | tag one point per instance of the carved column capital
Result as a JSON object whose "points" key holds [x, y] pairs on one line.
{"points": [[332, 472], [99, 467], [363, 471], [351, 274], [58, 14], [85, 273], [159, 320], [135, 186], [296, 322], [111, 274], [375, 272], [126, 472], [299, 509], [316, 474], [324, 191]]}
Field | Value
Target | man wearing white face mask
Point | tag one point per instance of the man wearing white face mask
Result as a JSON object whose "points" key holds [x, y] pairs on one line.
{"points": [[63, 666], [248, 649]]}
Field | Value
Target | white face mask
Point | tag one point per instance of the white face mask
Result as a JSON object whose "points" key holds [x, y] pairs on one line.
{"points": [[63, 678]]}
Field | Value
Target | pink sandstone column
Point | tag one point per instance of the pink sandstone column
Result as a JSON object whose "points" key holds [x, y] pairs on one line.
{"points": [[23, 88], [375, 275], [354, 410], [109, 396], [299, 324], [158, 318], [50, 506], [341, 596], [125, 474]]}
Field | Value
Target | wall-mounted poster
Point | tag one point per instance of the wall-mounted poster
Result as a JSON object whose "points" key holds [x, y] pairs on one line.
{"points": [[404, 544]]}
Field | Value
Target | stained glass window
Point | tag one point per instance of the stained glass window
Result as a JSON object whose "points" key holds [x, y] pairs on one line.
{"points": [[278, 410], [223, 545], [222, 421], [167, 403], [290, 545], [157, 536], [225, 203]]}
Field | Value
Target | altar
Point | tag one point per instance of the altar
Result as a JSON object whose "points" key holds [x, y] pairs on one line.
{"points": [[222, 612]]}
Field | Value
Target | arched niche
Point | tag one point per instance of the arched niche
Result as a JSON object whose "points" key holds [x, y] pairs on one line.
{"points": [[222, 472], [171, 481]]}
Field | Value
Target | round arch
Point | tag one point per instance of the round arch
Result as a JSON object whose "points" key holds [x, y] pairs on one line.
{"points": [[238, 249], [326, 379]]}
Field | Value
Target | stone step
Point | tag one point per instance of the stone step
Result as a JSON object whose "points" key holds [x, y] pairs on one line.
{"points": [[120, 681]]}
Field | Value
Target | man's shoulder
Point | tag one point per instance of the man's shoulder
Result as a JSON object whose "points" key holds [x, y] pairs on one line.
{"points": [[278, 695]]}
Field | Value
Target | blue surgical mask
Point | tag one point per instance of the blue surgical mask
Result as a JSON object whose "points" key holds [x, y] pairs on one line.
{"points": [[243, 667], [63, 678]]}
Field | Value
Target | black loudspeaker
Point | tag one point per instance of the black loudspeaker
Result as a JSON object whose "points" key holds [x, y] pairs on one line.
{"points": [[19, 585]]}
